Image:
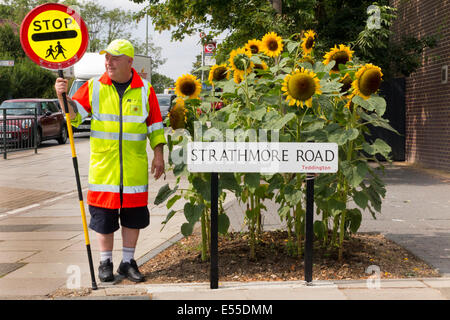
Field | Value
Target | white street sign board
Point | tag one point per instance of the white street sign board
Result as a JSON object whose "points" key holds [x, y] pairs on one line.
{"points": [[263, 157], [209, 60], [6, 63]]}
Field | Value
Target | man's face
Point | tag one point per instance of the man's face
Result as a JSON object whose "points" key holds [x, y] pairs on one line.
{"points": [[118, 67]]}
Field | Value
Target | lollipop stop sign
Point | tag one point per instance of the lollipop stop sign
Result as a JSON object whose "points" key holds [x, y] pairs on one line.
{"points": [[54, 36]]}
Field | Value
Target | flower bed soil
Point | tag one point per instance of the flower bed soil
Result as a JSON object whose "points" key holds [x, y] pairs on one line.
{"points": [[182, 261]]}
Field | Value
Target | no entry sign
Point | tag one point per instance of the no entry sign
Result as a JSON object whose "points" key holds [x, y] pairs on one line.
{"points": [[54, 36]]}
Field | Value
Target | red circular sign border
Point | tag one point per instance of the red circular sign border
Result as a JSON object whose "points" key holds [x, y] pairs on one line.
{"points": [[33, 56]]}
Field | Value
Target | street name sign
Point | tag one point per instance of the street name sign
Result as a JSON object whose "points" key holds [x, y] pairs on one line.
{"points": [[263, 157], [6, 63], [54, 36]]}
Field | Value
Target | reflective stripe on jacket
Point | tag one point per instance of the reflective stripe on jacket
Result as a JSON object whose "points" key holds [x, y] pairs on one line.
{"points": [[118, 170]]}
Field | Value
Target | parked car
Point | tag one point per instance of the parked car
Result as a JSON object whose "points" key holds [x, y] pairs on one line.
{"points": [[165, 103], [51, 123]]}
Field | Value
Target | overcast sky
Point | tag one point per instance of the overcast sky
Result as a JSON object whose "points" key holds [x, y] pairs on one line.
{"points": [[179, 55]]}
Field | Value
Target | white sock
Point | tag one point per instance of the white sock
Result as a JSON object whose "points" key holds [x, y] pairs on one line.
{"points": [[128, 254], [105, 255]]}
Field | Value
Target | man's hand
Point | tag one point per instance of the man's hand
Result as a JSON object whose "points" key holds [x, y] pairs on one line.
{"points": [[60, 88], [158, 161]]}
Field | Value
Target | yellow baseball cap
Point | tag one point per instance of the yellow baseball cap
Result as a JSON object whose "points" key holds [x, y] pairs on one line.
{"points": [[119, 47]]}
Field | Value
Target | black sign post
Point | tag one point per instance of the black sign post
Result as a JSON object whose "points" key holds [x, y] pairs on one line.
{"points": [[309, 228], [214, 250]]}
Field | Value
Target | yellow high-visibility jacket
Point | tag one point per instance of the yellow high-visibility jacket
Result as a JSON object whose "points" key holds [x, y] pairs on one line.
{"points": [[118, 168]]}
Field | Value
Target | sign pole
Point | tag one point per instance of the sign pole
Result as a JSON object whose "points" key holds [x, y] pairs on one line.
{"points": [[214, 272], [309, 228], [80, 192]]}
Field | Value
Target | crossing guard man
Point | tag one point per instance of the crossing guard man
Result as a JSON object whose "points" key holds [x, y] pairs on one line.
{"points": [[124, 112]]}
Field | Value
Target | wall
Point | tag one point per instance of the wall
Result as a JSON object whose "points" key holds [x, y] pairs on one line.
{"points": [[427, 99]]}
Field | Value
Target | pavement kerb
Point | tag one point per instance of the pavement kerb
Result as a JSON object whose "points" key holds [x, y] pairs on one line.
{"points": [[147, 291]]}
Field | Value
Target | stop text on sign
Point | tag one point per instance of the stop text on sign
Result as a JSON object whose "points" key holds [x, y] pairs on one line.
{"points": [[263, 157]]}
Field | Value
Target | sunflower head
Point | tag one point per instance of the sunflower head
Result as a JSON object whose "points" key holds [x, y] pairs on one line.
{"points": [[346, 83], [368, 80], [308, 41], [218, 73], [272, 44], [341, 55], [177, 115], [307, 59], [188, 86], [240, 60], [299, 87], [260, 66], [254, 46], [237, 76]]}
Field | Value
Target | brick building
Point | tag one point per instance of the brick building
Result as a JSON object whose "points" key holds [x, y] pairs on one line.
{"points": [[427, 91]]}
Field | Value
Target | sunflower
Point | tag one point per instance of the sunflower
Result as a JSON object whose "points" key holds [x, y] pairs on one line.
{"points": [[306, 59], [300, 86], [240, 60], [368, 80], [177, 115], [308, 41], [260, 66], [254, 46], [237, 76], [272, 44], [341, 55], [188, 86], [218, 73], [346, 83]]}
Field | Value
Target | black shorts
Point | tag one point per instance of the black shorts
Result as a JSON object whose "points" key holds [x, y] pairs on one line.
{"points": [[106, 221]]}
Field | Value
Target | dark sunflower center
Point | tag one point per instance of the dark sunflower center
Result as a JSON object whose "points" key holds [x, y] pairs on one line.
{"points": [[309, 43], [241, 61], [254, 49], [187, 87], [272, 45], [347, 84], [220, 73], [369, 82], [177, 117], [340, 57], [301, 87]]}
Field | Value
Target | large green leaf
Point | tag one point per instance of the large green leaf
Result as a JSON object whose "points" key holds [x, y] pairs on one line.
{"points": [[223, 223], [193, 212], [379, 146], [341, 136], [187, 229], [202, 187], [355, 217], [361, 199], [164, 193], [252, 180], [227, 180]]}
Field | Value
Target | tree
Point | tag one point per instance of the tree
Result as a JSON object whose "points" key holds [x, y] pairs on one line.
{"points": [[335, 22], [160, 82], [25, 79]]}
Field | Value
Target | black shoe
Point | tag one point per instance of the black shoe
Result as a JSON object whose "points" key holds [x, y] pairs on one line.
{"points": [[105, 271], [131, 271]]}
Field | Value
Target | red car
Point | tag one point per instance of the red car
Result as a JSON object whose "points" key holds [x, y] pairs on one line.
{"points": [[20, 113]]}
